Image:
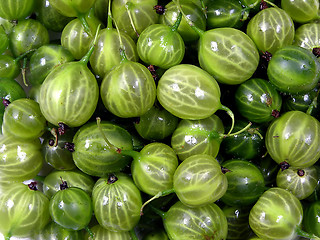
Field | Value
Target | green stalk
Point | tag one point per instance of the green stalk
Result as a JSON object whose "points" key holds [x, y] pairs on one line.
{"points": [[8, 236], [314, 104], [109, 144], [240, 131], [86, 57], [23, 72], [159, 194], [304, 234], [200, 32], [109, 18], [83, 20], [175, 26], [230, 113], [131, 153], [162, 214], [133, 235], [89, 232]]}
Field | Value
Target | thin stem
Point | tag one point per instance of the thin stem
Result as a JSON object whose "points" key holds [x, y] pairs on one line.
{"points": [[54, 133], [8, 236], [314, 104], [230, 113], [109, 144], [123, 56], [159, 194], [109, 19], [128, 5], [131, 153], [133, 235], [240, 131], [175, 26], [23, 71], [162, 214], [89, 232], [199, 31], [24, 55], [304, 234], [86, 57], [271, 3], [83, 20]]}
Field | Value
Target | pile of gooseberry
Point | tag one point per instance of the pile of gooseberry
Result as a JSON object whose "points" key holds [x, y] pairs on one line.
{"points": [[155, 120]]}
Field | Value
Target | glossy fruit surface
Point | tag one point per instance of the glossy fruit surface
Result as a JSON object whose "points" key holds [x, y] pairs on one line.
{"points": [[271, 29], [74, 178], [156, 124], [258, 100], [23, 119], [311, 216], [71, 208], [22, 210], [19, 156], [16, 9], [228, 54], [117, 202], [209, 222], [45, 59], [188, 92], [27, 35], [71, 8], [197, 137], [245, 183], [129, 80], [294, 130], [153, 170], [276, 215], [69, 94], [161, 46], [306, 35], [92, 154], [133, 16], [293, 69], [199, 180], [301, 182], [301, 11]]}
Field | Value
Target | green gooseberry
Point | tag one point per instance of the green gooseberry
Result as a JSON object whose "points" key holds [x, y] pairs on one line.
{"points": [[301, 182], [74, 36], [161, 45], [10, 90], [153, 167], [28, 34], [228, 54], [23, 210], [92, 153], [44, 60], [128, 90], [70, 92], [74, 178], [55, 149], [258, 100], [106, 54], [293, 69], [189, 92], [276, 215], [238, 222], [245, 183], [50, 17], [311, 216], [78, 9], [116, 202], [293, 139], [23, 119], [271, 29], [306, 36], [205, 222], [156, 124], [192, 11], [19, 156], [301, 11], [16, 9], [133, 16], [71, 207]]}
